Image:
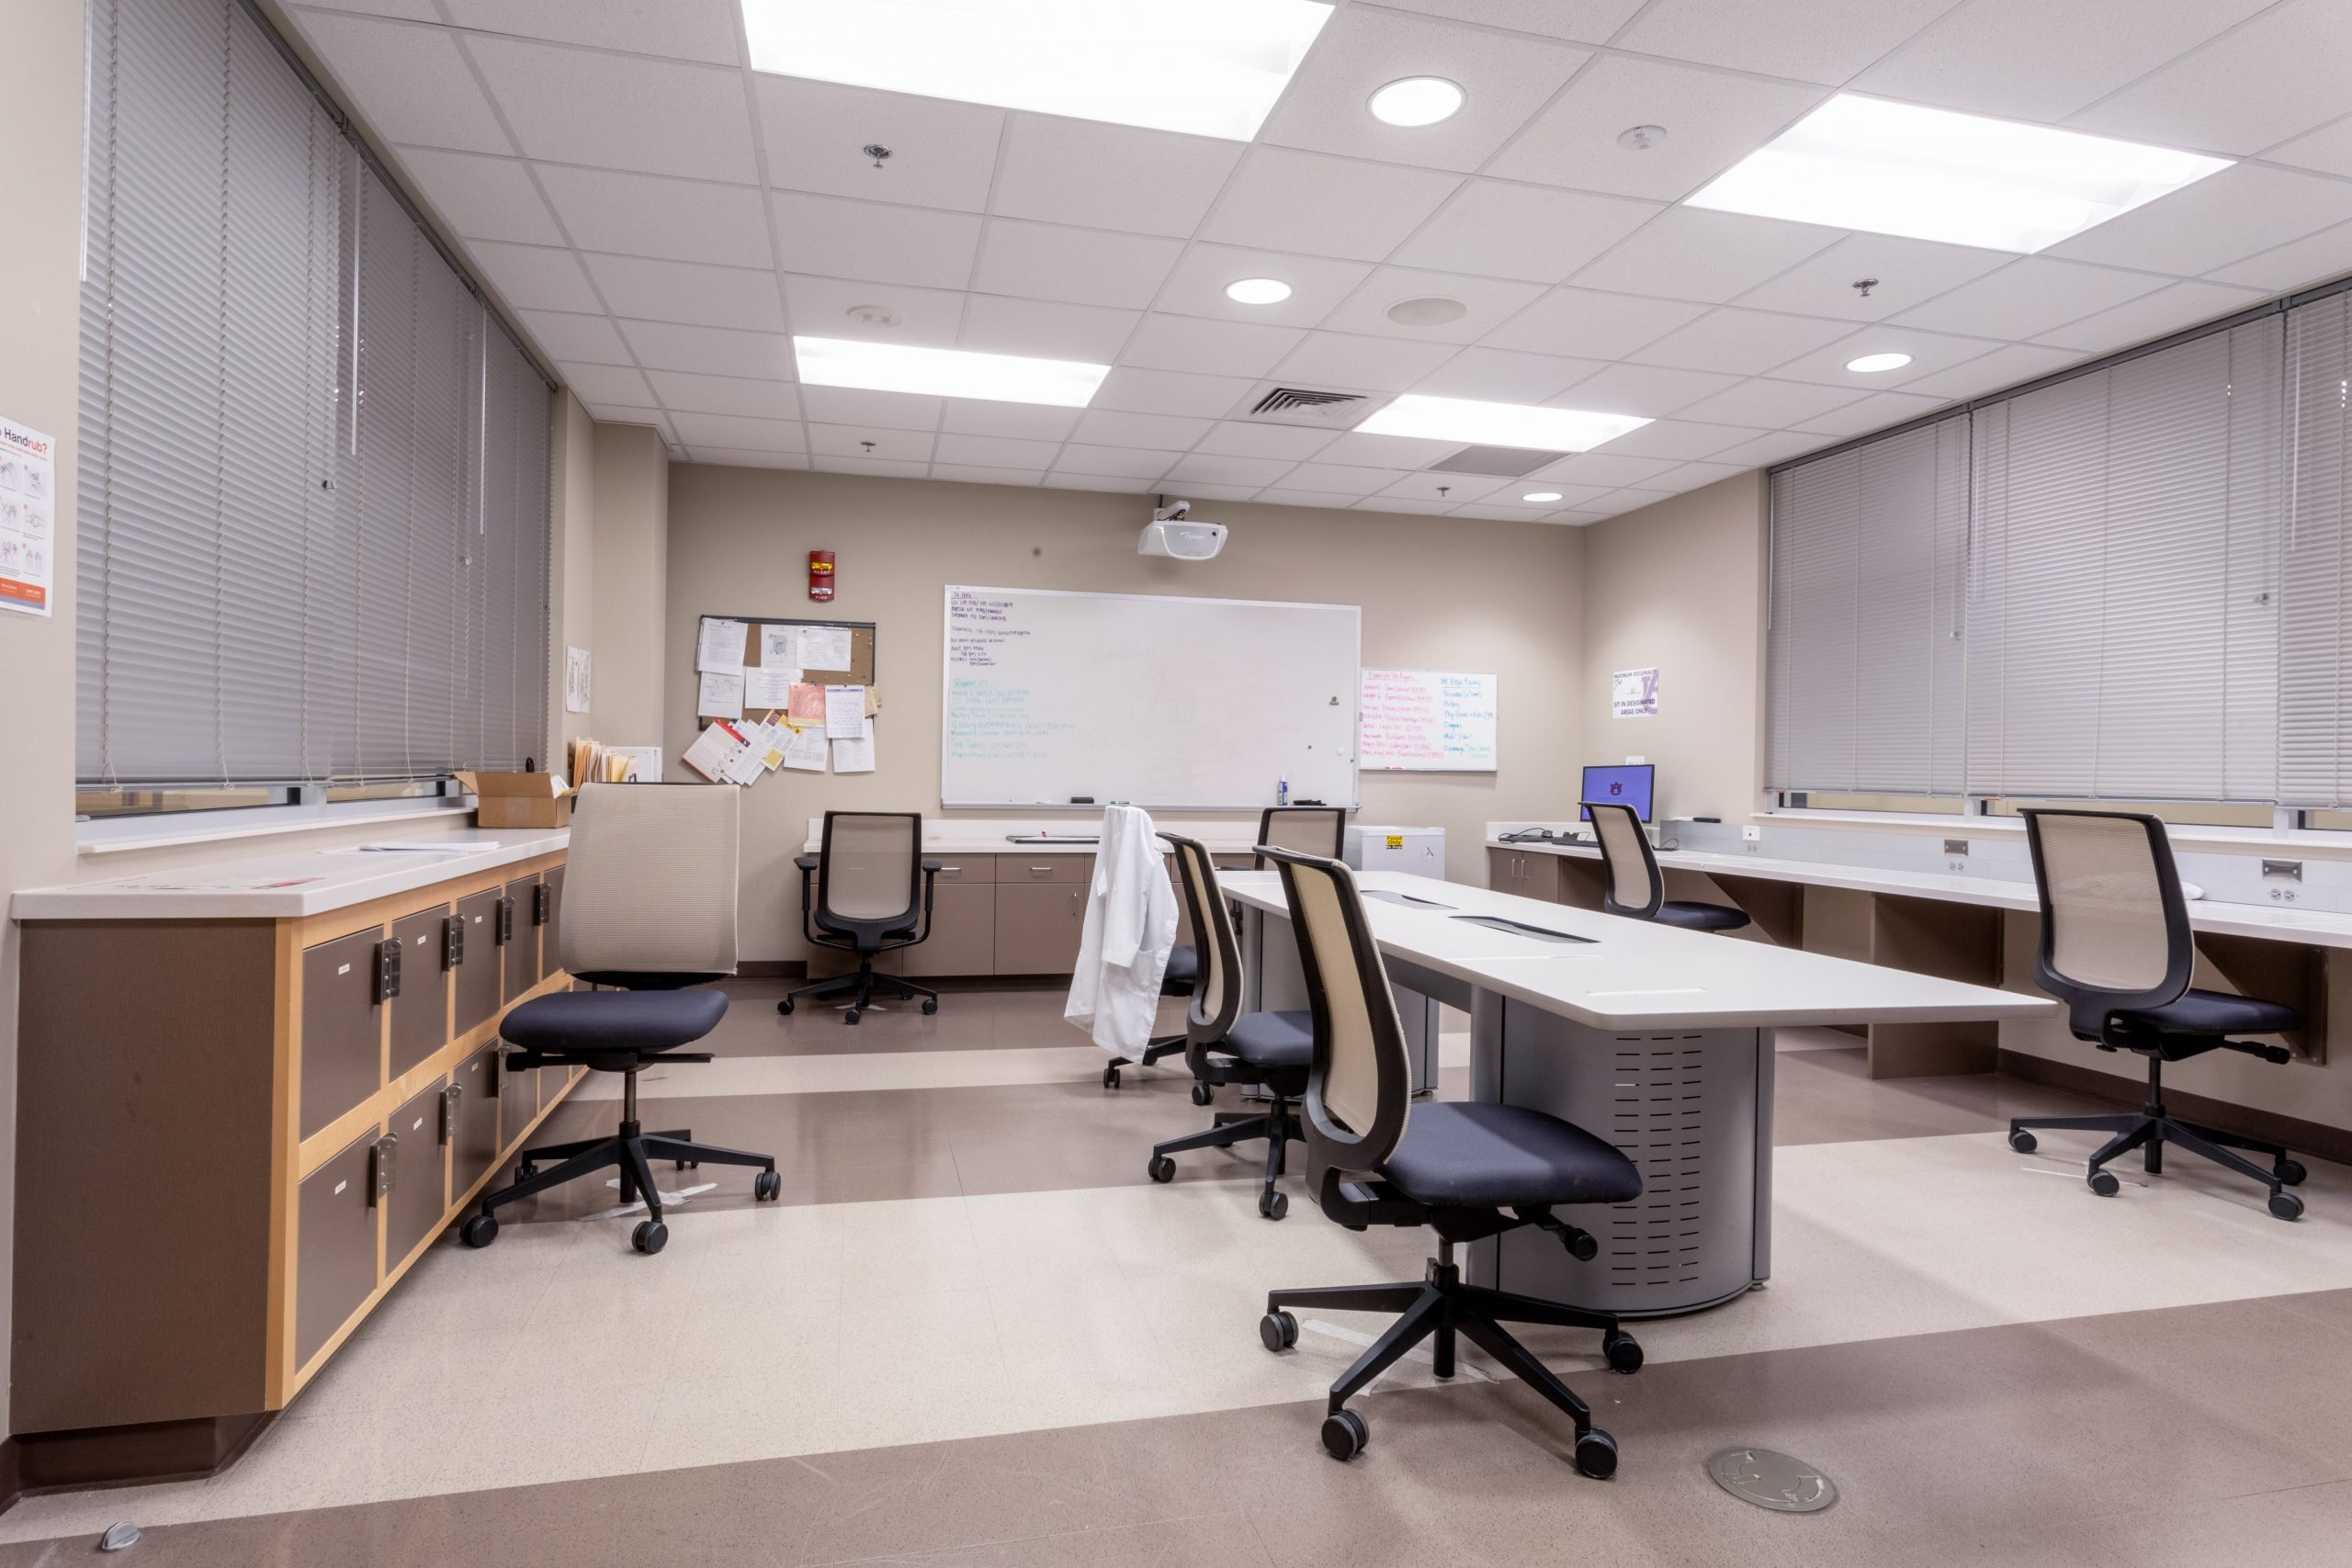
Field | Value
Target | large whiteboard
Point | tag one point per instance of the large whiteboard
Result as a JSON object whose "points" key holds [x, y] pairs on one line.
{"points": [[1429, 721], [1154, 700]]}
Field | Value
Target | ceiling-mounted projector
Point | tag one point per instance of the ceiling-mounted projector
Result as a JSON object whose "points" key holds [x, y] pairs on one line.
{"points": [[1171, 532]]}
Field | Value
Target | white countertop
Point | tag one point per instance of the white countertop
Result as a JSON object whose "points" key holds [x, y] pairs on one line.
{"points": [[2319, 928], [287, 885], [979, 839], [1637, 975]]}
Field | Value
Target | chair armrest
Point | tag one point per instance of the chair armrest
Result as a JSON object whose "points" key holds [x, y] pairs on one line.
{"points": [[806, 862], [930, 866], [808, 865]]}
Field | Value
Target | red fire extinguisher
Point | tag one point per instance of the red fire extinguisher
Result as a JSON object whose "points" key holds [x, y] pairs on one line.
{"points": [[821, 575]]}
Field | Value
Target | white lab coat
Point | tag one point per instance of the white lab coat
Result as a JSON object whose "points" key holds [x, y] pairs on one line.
{"points": [[1130, 927]]}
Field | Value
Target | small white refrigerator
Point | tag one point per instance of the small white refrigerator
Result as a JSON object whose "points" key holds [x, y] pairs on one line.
{"points": [[1420, 851]]}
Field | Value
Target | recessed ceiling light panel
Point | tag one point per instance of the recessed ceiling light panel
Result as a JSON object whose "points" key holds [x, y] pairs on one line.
{"points": [[1416, 101], [1541, 495], [1872, 364], [1890, 168], [1512, 424], [947, 372], [1257, 291], [1208, 67]]}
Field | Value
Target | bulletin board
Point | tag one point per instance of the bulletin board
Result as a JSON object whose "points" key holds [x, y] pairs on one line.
{"points": [[861, 649]]}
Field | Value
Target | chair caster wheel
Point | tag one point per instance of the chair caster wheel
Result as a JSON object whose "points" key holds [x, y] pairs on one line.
{"points": [[650, 1235], [1161, 1168], [784, 1007], [1344, 1435], [690, 1165], [1278, 1331], [2103, 1182], [479, 1231], [1273, 1205], [1110, 1077], [2286, 1205], [1624, 1352], [1202, 1094], [766, 1187], [2291, 1172], [1597, 1455], [2022, 1140], [850, 1016], [930, 1005]]}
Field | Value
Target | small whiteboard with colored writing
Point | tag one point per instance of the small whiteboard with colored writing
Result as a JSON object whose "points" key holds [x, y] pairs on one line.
{"points": [[1429, 721]]}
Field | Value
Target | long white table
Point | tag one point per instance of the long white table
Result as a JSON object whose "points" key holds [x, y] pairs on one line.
{"points": [[1658, 1039]]}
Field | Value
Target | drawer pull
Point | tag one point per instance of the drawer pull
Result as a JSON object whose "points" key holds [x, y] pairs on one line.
{"points": [[453, 941], [505, 921], [542, 897], [379, 1167], [388, 970], [452, 1097]]}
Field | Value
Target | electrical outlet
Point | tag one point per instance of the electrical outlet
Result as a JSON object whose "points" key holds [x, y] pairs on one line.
{"points": [[1751, 834]]}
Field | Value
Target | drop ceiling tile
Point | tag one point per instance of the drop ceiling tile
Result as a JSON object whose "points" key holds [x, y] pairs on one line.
{"points": [[681, 291], [1688, 253], [683, 393], [1361, 364], [2005, 367], [1774, 405], [681, 29], [1907, 273], [735, 458], [1236, 438], [1077, 267], [1586, 476], [2328, 150], [942, 154], [1581, 323], [649, 215], [606, 384], [1517, 511], [1317, 284], [1460, 488], [2222, 218], [1043, 329], [1167, 391], [1619, 502], [1529, 233], [1206, 347], [587, 340], [1282, 200], [1105, 483], [1325, 108], [868, 443], [2032, 295], [1405, 454], [1578, 21], [1929, 352], [1686, 477], [1194, 489], [2292, 266], [1158, 432], [412, 82], [1743, 343], [2152, 316], [873, 468], [1499, 375], [1116, 462], [533, 277], [482, 199], [1821, 40], [2277, 76], [745, 434], [1278, 497], [710, 351], [882, 410], [823, 307], [1488, 303], [616, 111], [868, 240], [2030, 60], [1777, 447], [1111, 176], [1681, 439], [1390, 504], [1573, 494], [1877, 411], [977, 475], [1329, 479], [413, 10], [995, 451], [1209, 469], [1712, 121], [1652, 390], [1021, 422]]}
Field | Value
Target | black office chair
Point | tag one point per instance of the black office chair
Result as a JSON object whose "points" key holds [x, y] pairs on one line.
{"points": [[1468, 1170], [1225, 1046], [1635, 888], [872, 882], [2118, 950], [1309, 829], [649, 909]]}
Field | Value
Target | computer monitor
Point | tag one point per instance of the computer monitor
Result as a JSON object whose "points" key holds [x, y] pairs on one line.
{"points": [[1633, 784]]}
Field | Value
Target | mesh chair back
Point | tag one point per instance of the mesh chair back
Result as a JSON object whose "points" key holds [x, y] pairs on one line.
{"points": [[1309, 829], [1635, 886], [1216, 995], [870, 877], [650, 880], [1361, 1086], [2115, 932]]}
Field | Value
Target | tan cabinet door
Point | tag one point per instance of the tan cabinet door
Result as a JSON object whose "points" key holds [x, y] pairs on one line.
{"points": [[1502, 870], [1038, 925], [334, 1246], [963, 933], [342, 1058], [1539, 877]]}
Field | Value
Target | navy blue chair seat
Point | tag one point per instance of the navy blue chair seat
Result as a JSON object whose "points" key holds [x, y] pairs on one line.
{"points": [[1472, 1154], [2213, 1012], [571, 1022], [1184, 971], [1272, 1040], [1700, 917]]}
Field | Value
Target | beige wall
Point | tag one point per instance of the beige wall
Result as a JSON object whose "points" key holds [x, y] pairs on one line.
{"points": [[571, 564], [630, 539], [1451, 595], [1680, 586]]}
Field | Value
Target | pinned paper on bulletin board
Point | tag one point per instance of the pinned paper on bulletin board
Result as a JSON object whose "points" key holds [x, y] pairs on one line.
{"points": [[799, 695]]}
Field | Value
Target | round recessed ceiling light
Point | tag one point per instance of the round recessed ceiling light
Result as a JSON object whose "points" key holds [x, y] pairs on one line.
{"points": [[1431, 310], [1871, 364], [1541, 495], [1257, 292], [1416, 100]]}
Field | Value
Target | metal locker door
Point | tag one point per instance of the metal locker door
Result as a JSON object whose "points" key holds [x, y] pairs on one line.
{"points": [[476, 974], [420, 1173], [342, 1030], [518, 937], [335, 1247], [551, 902], [518, 1102], [474, 1136], [421, 1011]]}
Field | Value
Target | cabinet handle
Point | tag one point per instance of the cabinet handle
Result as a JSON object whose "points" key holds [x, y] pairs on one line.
{"points": [[379, 1167], [388, 970], [505, 921], [452, 1096], [542, 898], [1041, 871], [453, 941]]}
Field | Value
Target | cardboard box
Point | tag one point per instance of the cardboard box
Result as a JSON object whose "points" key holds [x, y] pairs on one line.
{"points": [[517, 800]]}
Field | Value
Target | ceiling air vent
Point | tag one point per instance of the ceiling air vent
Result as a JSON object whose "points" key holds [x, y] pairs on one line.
{"points": [[1317, 411], [1509, 462]]}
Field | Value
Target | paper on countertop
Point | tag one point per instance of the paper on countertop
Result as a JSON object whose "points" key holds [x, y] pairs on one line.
{"points": [[722, 694], [856, 754], [824, 648], [721, 646], [780, 645], [804, 752], [769, 686], [845, 712], [807, 706]]}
